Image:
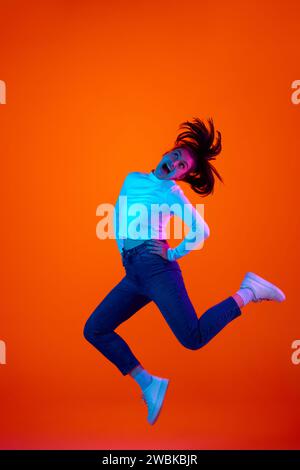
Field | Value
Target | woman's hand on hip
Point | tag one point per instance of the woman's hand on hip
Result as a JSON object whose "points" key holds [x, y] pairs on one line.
{"points": [[158, 247]]}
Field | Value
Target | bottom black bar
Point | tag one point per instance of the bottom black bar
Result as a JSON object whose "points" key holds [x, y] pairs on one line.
{"points": [[137, 458]]}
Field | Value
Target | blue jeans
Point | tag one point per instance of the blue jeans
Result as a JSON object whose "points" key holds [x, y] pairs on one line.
{"points": [[149, 277]]}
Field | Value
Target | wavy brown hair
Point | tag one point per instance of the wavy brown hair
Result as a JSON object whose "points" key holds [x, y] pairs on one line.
{"points": [[204, 144]]}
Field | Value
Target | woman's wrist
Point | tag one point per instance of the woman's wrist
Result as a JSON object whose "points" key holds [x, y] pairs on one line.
{"points": [[170, 254]]}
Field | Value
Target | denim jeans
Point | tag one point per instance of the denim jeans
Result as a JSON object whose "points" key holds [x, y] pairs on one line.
{"points": [[150, 277]]}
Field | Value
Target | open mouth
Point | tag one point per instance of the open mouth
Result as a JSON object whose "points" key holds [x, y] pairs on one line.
{"points": [[166, 168]]}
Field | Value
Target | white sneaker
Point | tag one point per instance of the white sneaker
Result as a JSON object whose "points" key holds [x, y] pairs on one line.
{"points": [[154, 396], [262, 289]]}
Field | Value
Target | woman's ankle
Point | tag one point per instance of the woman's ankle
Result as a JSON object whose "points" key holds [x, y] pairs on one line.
{"points": [[135, 370], [238, 300]]}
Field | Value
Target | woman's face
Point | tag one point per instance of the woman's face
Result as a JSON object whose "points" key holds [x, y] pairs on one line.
{"points": [[175, 164]]}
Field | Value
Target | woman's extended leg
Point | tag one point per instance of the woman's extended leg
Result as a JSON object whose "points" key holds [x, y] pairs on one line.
{"points": [[168, 291], [118, 306]]}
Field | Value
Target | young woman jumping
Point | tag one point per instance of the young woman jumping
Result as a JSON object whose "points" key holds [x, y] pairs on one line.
{"points": [[151, 269]]}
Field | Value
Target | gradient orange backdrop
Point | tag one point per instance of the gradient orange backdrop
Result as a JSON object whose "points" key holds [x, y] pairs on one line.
{"points": [[96, 90]]}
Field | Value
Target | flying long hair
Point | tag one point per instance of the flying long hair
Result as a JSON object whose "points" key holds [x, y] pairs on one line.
{"points": [[204, 143]]}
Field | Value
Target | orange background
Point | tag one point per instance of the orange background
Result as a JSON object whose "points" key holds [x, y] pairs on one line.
{"points": [[98, 89]]}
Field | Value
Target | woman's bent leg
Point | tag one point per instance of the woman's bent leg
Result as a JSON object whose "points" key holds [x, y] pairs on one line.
{"points": [[169, 293], [118, 306]]}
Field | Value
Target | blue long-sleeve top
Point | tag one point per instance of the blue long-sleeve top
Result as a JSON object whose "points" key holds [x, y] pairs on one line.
{"points": [[146, 204]]}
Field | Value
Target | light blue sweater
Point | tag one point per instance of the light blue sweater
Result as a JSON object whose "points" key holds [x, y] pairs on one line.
{"points": [[146, 204]]}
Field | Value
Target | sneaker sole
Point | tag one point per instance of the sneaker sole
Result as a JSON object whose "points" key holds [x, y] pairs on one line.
{"points": [[160, 400], [262, 281]]}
